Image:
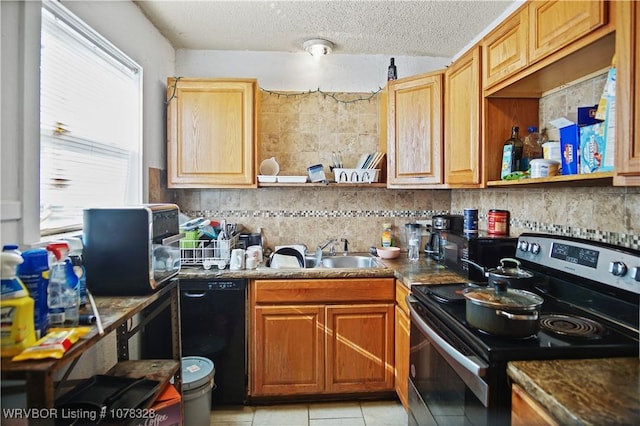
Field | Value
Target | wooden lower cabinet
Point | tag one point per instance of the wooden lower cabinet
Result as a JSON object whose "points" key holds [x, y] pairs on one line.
{"points": [[525, 411], [289, 350], [359, 348], [402, 344], [303, 343]]}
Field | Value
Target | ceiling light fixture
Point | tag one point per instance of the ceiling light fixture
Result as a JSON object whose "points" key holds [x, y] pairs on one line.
{"points": [[318, 47]]}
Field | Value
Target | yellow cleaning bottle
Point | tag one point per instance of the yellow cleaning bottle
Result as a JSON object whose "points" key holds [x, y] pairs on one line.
{"points": [[16, 309]]}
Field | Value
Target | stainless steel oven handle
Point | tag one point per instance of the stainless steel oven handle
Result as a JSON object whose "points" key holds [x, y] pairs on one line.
{"points": [[172, 239], [475, 366]]}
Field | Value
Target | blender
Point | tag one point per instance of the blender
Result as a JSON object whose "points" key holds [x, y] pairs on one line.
{"points": [[414, 234]]}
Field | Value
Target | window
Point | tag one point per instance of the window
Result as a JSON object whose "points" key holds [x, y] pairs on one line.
{"points": [[90, 122]]}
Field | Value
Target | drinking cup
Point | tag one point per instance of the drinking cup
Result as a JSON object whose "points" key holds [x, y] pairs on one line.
{"points": [[237, 259]]}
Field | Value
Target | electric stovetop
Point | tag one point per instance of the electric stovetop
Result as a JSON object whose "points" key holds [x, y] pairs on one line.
{"points": [[446, 307]]}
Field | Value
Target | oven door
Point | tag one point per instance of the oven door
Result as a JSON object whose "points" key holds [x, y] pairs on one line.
{"points": [[447, 383], [165, 259]]}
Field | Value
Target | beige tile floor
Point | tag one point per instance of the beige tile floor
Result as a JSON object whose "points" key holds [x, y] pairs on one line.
{"points": [[365, 413]]}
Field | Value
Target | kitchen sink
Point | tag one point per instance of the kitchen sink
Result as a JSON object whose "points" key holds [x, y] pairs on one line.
{"points": [[342, 262], [350, 262], [310, 262]]}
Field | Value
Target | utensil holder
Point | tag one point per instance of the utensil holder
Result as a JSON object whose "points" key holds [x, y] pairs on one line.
{"points": [[356, 175]]}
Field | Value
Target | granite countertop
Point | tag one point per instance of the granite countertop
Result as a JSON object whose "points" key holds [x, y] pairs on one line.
{"points": [[425, 271], [583, 392]]}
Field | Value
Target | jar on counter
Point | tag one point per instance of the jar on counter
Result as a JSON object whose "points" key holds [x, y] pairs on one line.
{"points": [[498, 222], [470, 224]]}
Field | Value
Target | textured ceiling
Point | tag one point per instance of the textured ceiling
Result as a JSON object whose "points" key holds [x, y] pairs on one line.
{"points": [[438, 28]]}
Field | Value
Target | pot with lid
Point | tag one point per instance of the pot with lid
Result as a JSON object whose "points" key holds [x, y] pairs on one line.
{"points": [[513, 276], [502, 311]]}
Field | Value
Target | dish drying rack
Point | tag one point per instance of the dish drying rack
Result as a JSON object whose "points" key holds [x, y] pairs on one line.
{"points": [[208, 253]]}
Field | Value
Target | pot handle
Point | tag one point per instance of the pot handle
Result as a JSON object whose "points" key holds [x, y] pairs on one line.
{"points": [[482, 268], [510, 259], [511, 316]]}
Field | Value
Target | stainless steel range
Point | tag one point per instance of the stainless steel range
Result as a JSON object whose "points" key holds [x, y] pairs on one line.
{"points": [[590, 309]]}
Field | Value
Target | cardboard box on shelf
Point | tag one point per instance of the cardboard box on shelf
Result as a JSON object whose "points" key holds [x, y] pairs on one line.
{"points": [[595, 152], [570, 137], [166, 410]]}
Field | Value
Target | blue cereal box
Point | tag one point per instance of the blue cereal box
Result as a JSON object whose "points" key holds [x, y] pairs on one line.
{"points": [[593, 149]]}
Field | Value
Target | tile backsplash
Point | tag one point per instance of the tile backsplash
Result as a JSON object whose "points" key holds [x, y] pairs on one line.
{"points": [[302, 130]]}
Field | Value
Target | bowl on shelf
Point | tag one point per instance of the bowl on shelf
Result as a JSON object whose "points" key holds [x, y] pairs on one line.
{"points": [[388, 252]]}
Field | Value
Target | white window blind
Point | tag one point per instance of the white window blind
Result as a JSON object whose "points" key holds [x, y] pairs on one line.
{"points": [[90, 122]]}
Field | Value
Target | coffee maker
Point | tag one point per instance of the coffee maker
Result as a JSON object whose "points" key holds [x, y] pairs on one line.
{"points": [[441, 225]]}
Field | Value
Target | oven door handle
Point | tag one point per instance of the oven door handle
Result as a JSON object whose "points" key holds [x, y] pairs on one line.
{"points": [[473, 364]]}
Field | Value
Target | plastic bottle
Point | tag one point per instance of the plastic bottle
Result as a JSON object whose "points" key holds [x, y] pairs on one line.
{"points": [[387, 236], [511, 153], [392, 72], [16, 308], [81, 273], [62, 299], [531, 148], [75, 255], [34, 273]]}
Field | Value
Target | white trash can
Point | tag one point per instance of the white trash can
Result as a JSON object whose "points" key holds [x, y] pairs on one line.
{"points": [[197, 384]]}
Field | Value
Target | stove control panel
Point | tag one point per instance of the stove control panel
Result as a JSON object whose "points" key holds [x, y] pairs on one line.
{"points": [[611, 265]]}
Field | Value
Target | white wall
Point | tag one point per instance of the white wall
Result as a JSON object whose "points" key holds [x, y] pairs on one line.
{"points": [[300, 71], [123, 24]]}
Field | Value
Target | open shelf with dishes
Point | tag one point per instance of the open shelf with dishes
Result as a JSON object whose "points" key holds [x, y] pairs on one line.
{"points": [[320, 184], [592, 179]]}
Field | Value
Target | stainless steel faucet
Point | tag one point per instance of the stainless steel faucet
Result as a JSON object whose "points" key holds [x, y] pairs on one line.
{"points": [[332, 249]]}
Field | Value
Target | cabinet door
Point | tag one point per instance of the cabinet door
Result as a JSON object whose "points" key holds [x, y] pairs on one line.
{"points": [[211, 132], [415, 131], [402, 344], [525, 411], [627, 94], [359, 348], [462, 121], [287, 350], [504, 50], [555, 24]]}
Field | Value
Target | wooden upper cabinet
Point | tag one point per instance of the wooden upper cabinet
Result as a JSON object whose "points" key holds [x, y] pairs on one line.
{"points": [[555, 24], [212, 133], [627, 170], [415, 131], [463, 137], [504, 50]]}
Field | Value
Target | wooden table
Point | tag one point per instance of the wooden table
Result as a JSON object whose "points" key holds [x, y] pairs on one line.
{"points": [[115, 312]]}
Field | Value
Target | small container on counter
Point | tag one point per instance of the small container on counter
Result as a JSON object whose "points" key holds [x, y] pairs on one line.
{"points": [[470, 221], [498, 222]]}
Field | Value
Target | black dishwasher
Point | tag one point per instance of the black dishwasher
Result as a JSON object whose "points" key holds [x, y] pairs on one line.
{"points": [[213, 325]]}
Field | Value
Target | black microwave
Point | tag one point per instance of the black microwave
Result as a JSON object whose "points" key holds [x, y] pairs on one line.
{"points": [[131, 250], [481, 248]]}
